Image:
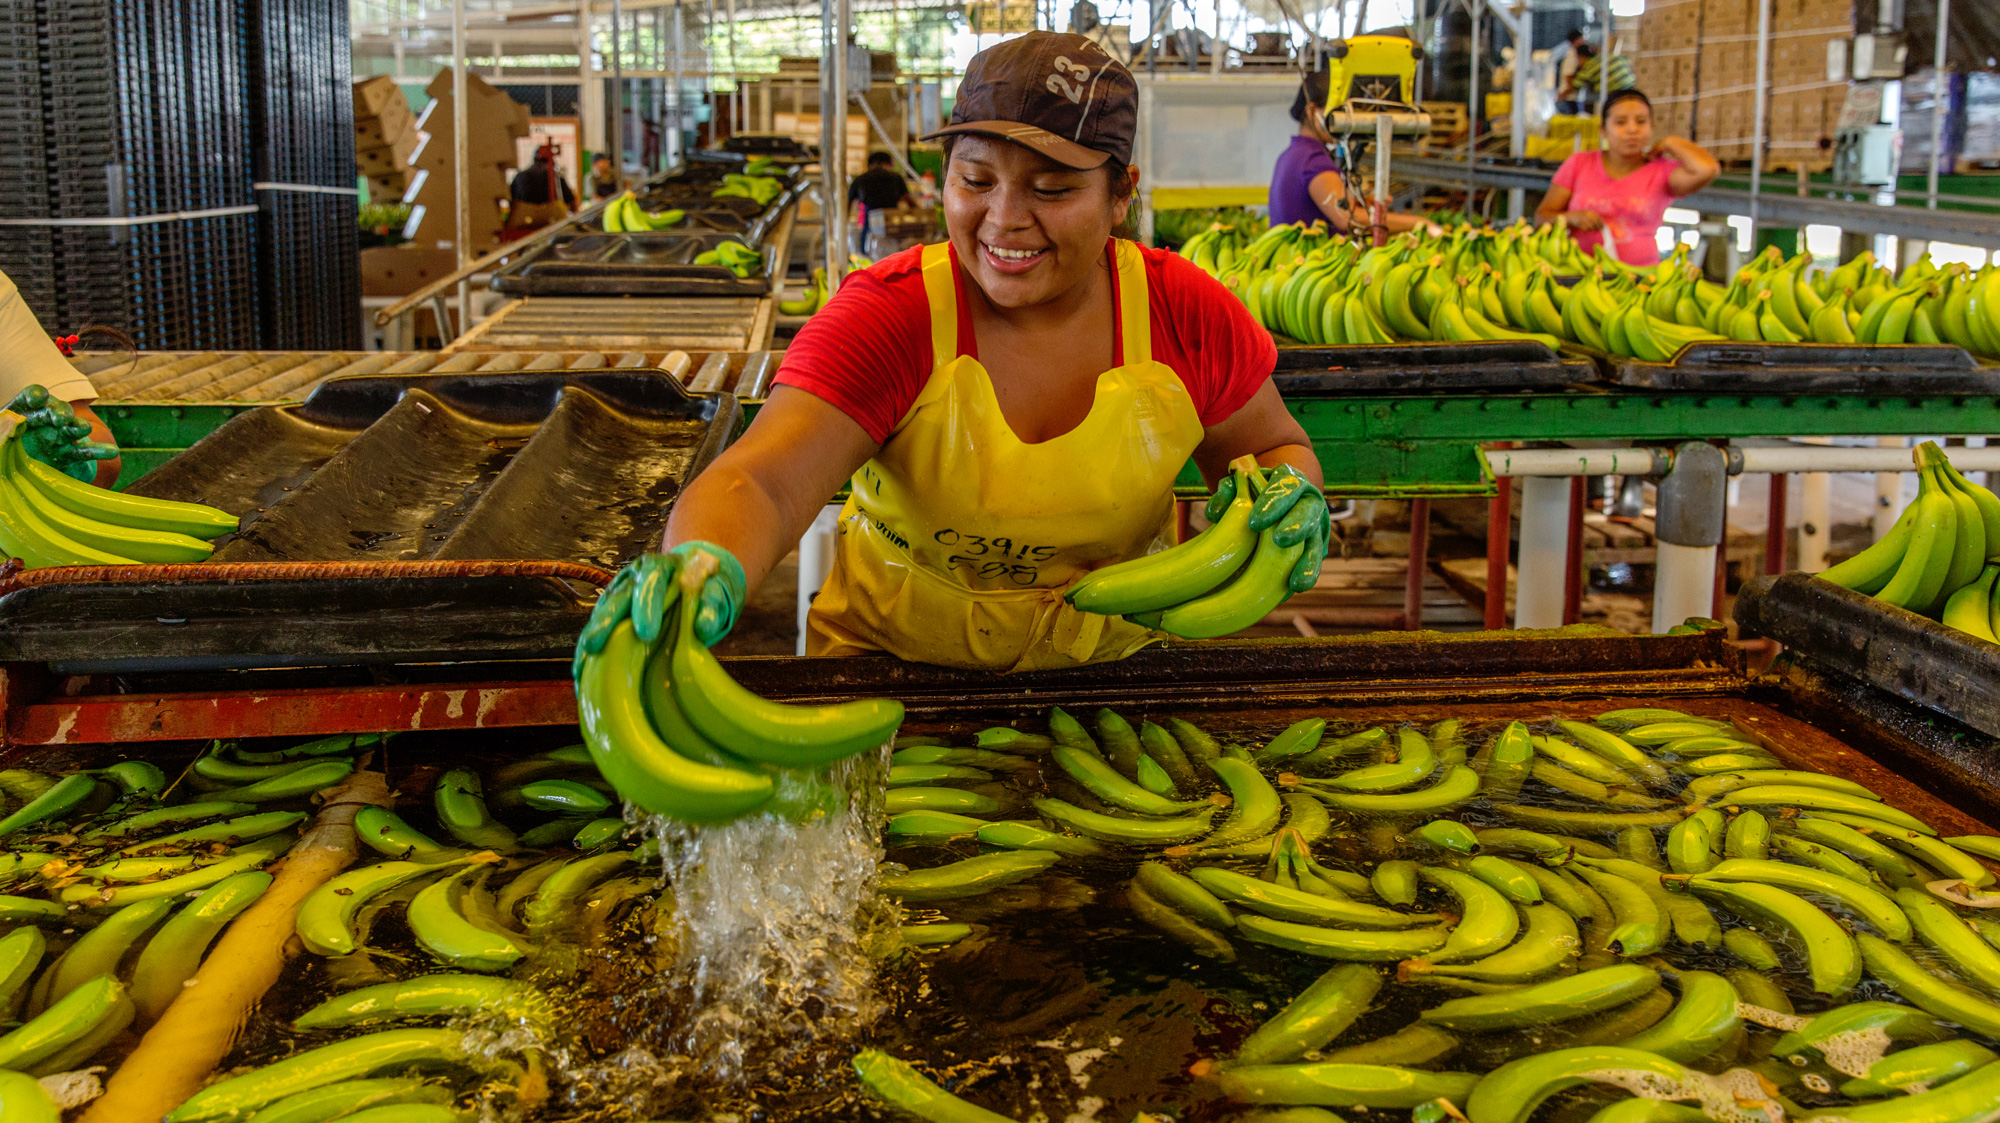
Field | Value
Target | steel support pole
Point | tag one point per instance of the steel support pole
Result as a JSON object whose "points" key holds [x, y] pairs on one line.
{"points": [[1938, 88], [617, 90], [1379, 212], [678, 109], [1476, 112], [835, 16], [1693, 500], [1573, 553], [1420, 565], [1760, 101], [1538, 591], [1517, 120], [461, 166]]}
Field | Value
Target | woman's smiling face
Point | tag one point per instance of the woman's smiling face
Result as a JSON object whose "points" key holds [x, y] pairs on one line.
{"points": [[1026, 229]]}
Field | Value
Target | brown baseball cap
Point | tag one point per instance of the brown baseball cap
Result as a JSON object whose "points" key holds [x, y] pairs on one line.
{"points": [[1056, 93]]}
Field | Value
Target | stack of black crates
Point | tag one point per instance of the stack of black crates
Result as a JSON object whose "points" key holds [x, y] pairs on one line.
{"points": [[118, 109]]}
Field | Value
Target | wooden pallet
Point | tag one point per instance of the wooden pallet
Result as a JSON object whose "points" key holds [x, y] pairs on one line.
{"points": [[1356, 595], [1608, 541]]}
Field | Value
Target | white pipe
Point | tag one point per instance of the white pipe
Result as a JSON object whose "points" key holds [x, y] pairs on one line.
{"points": [[1478, 111], [1572, 462], [833, 140], [1757, 126], [1544, 552], [1683, 583], [816, 549], [1532, 462], [1822, 458], [1938, 86], [1815, 519]]}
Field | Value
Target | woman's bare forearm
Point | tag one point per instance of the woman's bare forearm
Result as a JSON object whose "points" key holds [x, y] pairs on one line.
{"points": [[728, 506]]}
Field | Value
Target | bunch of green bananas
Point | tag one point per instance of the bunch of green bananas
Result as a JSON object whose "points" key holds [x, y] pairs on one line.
{"points": [[762, 166], [1210, 239], [1934, 560], [1217, 583], [47, 518], [733, 256], [675, 735], [1619, 313], [1565, 960], [761, 189], [624, 214], [816, 294]]}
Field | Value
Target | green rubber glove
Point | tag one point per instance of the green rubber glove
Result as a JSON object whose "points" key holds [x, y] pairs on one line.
{"points": [[722, 595], [1295, 512], [1218, 503], [54, 435], [641, 592]]}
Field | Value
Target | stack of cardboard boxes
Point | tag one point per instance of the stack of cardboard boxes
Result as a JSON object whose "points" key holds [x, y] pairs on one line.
{"points": [[385, 134], [494, 121], [1697, 61]]}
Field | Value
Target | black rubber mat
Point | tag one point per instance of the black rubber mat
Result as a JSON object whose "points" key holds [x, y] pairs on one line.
{"points": [[1807, 368], [1486, 365], [563, 466]]}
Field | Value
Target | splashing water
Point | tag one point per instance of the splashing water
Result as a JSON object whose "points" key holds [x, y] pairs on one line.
{"points": [[773, 919]]}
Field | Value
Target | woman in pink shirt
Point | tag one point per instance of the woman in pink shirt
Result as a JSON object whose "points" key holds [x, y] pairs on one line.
{"points": [[1619, 193]]}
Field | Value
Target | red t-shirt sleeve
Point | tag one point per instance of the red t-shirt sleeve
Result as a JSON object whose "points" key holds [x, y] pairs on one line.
{"points": [[868, 352], [1206, 335]]}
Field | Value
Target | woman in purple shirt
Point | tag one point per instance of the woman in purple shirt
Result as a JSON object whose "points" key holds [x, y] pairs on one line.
{"points": [[1306, 187], [1616, 196]]}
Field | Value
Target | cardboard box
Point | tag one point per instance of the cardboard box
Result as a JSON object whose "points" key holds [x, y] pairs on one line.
{"points": [[388, 158], [375, 132], [375, 96], [389, 187], [1727, 17]]}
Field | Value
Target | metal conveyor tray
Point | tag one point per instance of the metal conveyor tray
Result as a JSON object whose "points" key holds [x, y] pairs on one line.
{"points": [[1493, 365]]}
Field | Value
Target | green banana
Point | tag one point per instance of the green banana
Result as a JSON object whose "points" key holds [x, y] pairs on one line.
{"points": [[1548, 944], [251, 856], [1202, 940], [760, 730], [1014, 835], [558, 896], [1924, 1066], [78, 1015], [897, 1083], [350, 1097], [1874, 907], [968, 878], [1576, 996], [326, 917], [1487, 921], [1109, 828], [1942, 929], [239, 1097], [229, 832], [313, 778], [1256, 809], [1747, 836], [1184, 894], [99, 951], [1831, 958], [1701, 1022], [1620, 752], [1120, 741], [167, 816], [1511, 1093], [1097, 777], [1753, 949], [427, 996], [1343, 1085], [1640, 928], [384, 832], [438, 919], [65, 796], [1883, 1020], [1257, 589], [174, 953], [1280, 903], [461, 808], [1381, 946], [899, 800], [931, 825], [1322, 1012]]}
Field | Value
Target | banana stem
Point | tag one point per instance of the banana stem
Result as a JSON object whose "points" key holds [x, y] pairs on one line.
{"points": [[200, 1026], [695, 570]]}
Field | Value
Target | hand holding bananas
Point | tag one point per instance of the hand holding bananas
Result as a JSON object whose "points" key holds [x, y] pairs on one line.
{"points": [[52, 433], [48, 518], [1934, 561], [643, 590], [1265, 542], [668, 727]]}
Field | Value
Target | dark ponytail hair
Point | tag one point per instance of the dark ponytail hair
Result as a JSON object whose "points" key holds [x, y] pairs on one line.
{"points": [[1626, 94]]}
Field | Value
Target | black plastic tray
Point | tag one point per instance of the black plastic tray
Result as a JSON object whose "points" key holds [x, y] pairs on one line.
{"points": [[1806, 368], [1494, 365], [1854, 636], [568, 466], [659, 263]]}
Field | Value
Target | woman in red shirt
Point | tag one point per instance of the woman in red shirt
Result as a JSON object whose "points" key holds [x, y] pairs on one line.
{"points": [[1619, 193], [1012, 406]]}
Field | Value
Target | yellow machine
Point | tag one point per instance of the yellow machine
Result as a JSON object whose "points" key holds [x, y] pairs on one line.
{"points": [[1371, 76]]}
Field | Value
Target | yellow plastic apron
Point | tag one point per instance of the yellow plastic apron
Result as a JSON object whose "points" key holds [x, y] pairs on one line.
{"points": [[959, 538]]}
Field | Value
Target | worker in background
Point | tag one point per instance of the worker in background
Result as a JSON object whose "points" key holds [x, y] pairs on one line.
{"points": [[41, 392], [1306, 186], [1587, 81], [539, 194], [601, 183], [1560, 53], [879, 188], [1011, 406], [1618, 194]]}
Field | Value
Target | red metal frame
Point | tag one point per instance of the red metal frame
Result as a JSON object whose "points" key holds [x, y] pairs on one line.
{"points": [[49, 717]]}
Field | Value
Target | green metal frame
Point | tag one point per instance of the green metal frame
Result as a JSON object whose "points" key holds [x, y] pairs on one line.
{"points": [[1393, 446]]}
